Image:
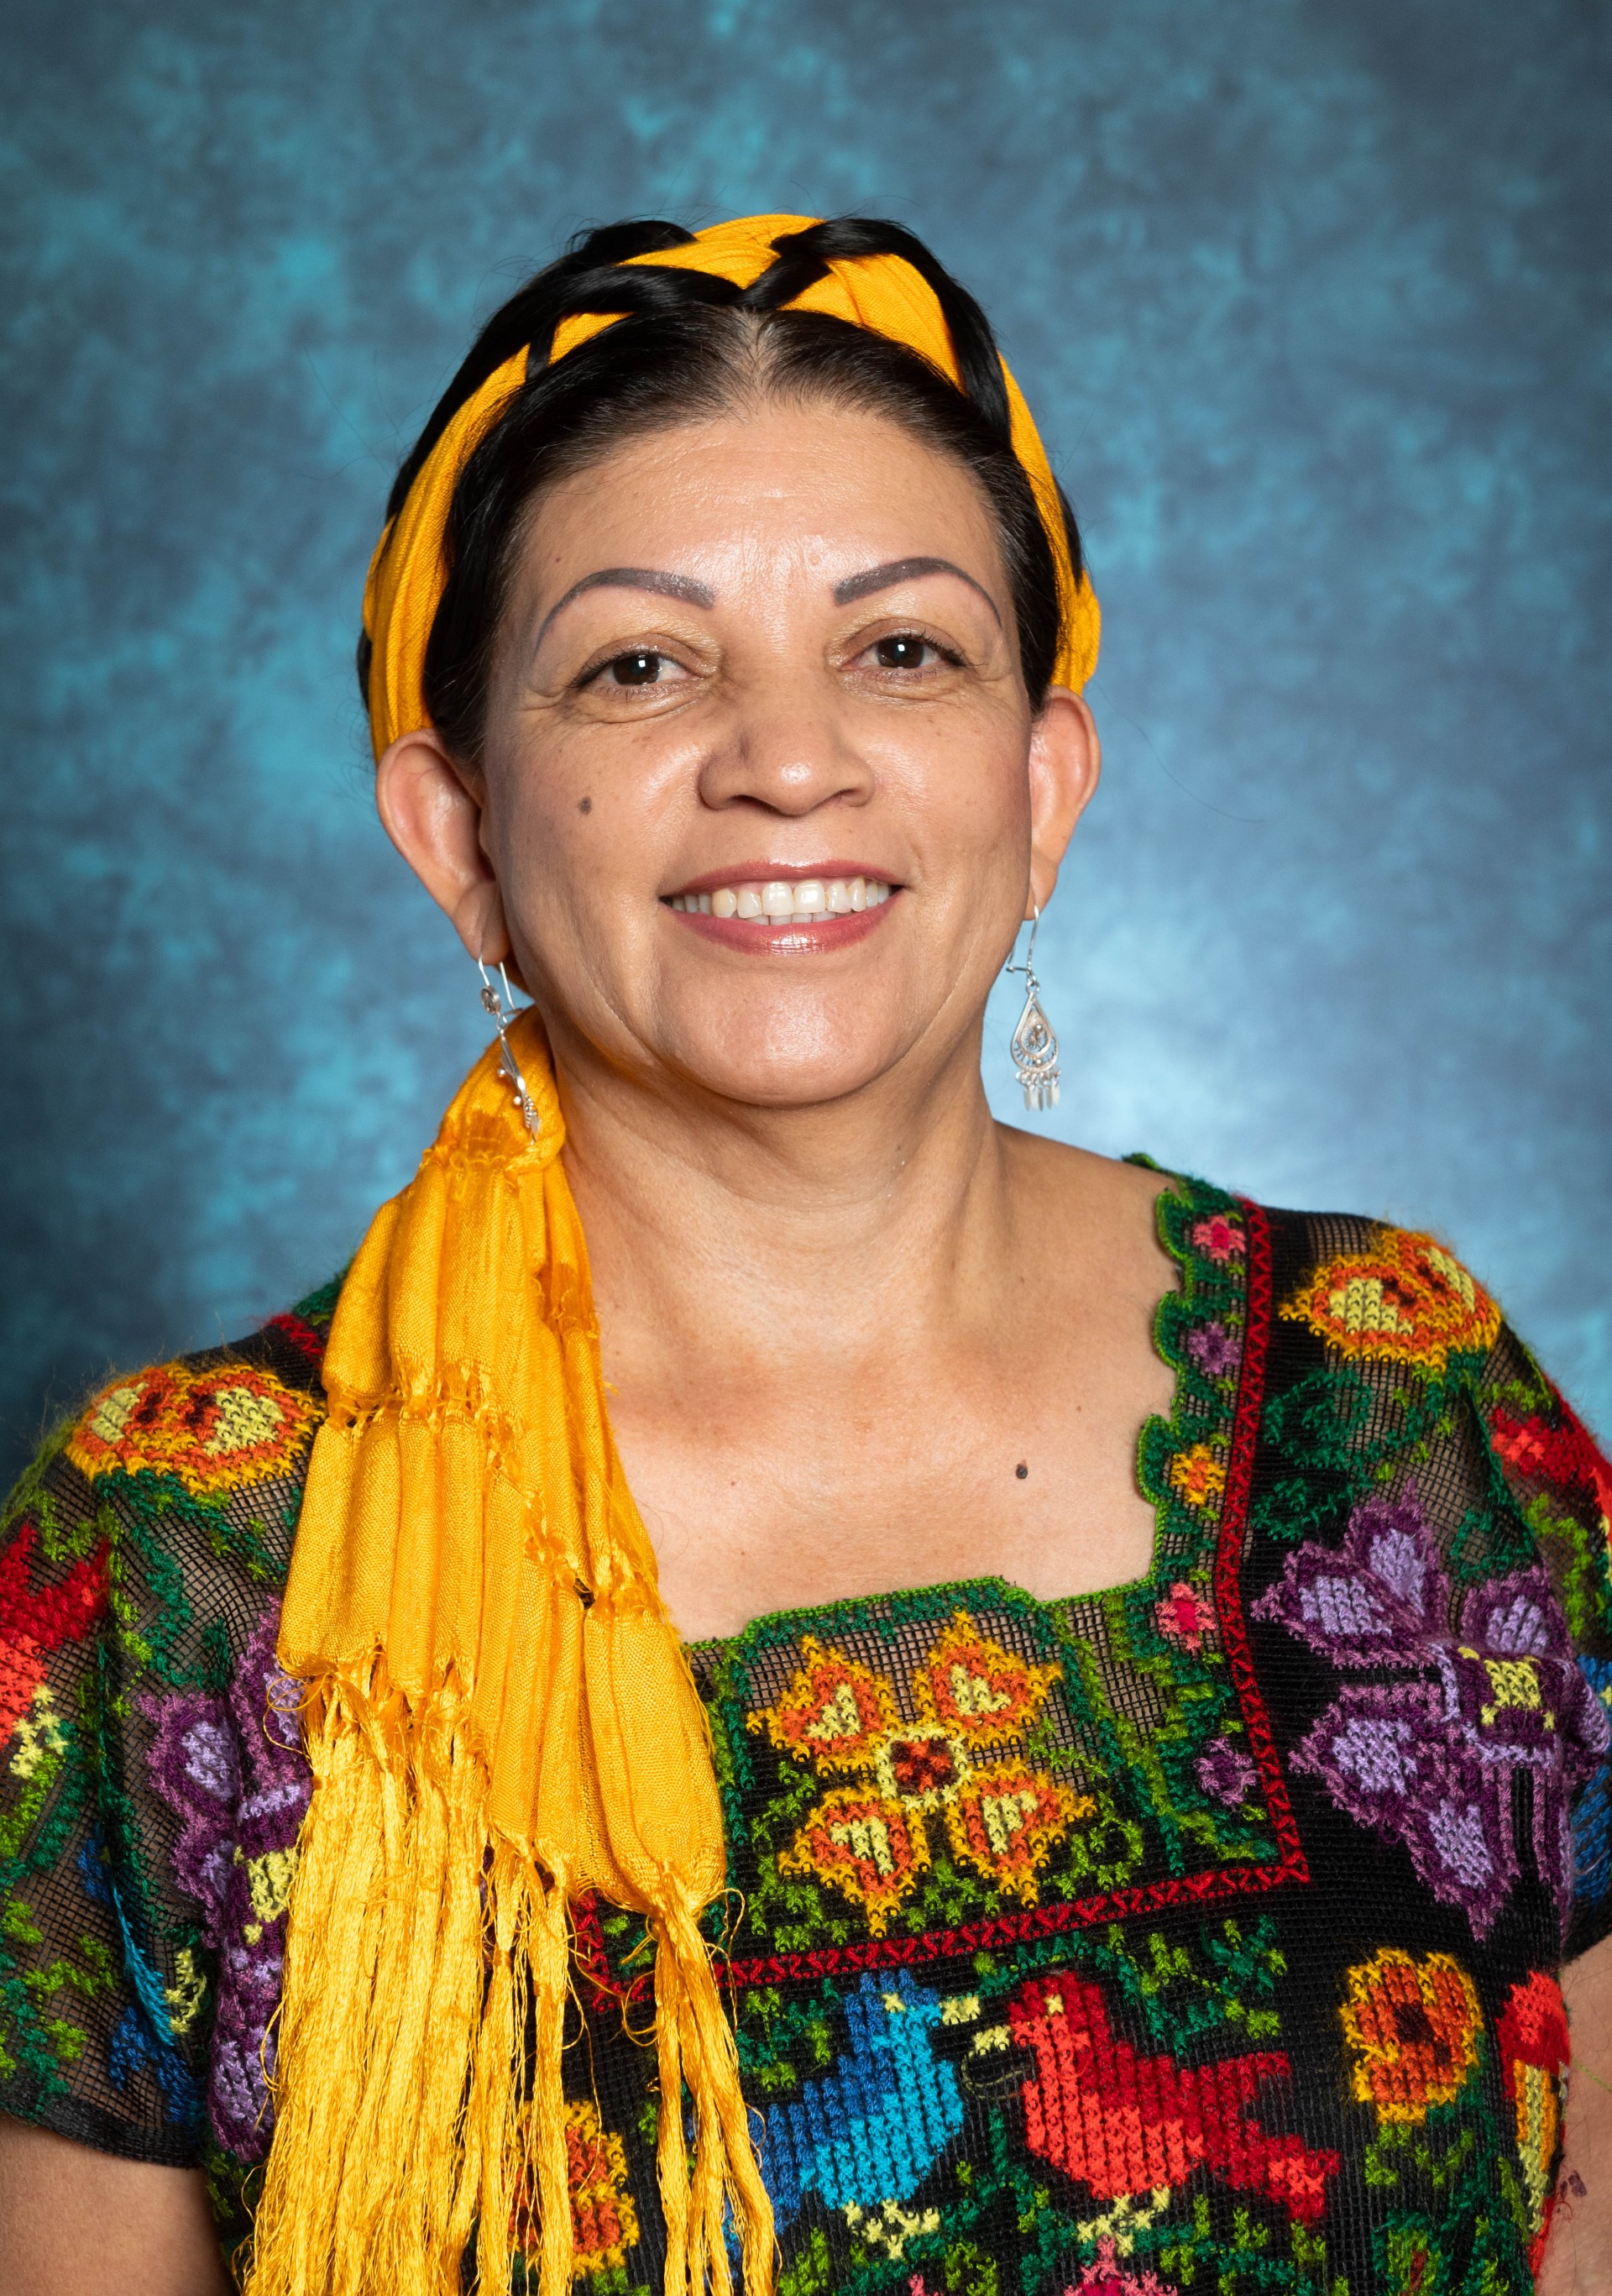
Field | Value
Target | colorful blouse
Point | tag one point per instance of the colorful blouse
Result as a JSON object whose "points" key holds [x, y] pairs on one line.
{"points": [[1200, 1934]]}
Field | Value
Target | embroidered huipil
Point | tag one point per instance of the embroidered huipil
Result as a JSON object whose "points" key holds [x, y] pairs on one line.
{"points": [[1203, 1933]]}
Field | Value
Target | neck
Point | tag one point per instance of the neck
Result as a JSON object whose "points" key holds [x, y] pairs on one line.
{"points": [[724, 1231]]}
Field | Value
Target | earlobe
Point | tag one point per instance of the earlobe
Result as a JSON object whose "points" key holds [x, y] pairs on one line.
{"points": [[1066, 764], [433, 816]]}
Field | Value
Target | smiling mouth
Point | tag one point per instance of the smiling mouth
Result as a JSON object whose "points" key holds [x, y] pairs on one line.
{"points": [[777, 901]]}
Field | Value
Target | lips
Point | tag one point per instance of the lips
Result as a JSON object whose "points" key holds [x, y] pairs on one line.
{"points": [[785, 901], [799, 914]]}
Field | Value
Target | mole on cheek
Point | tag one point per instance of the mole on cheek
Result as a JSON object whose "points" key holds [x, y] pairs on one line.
{"points": [[586, 805]]}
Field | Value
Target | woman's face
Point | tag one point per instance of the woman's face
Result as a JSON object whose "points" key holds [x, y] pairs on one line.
{"points": [[763, 800]]}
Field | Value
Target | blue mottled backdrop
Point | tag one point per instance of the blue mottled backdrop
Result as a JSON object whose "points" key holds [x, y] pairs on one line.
{"points": [[1312, 300]]}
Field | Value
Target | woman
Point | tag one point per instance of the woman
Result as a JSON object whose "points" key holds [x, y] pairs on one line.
{"points": [[1033, 1855]]}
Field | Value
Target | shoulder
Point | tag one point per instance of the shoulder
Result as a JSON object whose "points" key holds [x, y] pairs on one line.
{"points": [[140, 1794], [197, 1462], [1392, 1367], [1374, 1293]]}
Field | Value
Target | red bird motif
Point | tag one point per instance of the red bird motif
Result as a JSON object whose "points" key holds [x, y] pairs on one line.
{"points": [[33, 1624], [1126, 2125]]}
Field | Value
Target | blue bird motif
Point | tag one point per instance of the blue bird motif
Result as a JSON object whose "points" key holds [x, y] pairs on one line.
{"points": [[865, 2135]]}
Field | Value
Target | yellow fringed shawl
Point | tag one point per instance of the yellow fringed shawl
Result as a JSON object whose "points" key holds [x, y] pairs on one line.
{"points": [[501, 1717], [499, 1712]]}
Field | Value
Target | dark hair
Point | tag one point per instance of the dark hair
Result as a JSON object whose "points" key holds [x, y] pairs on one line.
{"points": [[689, 345]]}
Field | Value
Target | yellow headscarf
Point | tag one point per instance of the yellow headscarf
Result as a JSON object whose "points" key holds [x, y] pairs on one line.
{"points": [[500, 1715]]}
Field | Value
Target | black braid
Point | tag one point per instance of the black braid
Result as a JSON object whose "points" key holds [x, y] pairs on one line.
{"points": [[804, 258], [531, 316], [688, 345]]}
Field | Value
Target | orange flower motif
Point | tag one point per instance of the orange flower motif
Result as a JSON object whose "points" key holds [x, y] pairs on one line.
{"points": [[1531, 2038], [871, 1840], [215, 1429], [1407, 1301], [1198, 1475], [835, 1713], [1414, 2026], [604, 2222]]}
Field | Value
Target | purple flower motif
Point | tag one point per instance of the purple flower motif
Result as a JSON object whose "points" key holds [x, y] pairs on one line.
{"points": [[1226, 1773], [1214, 1349], [1428, 1760], [233, 1772]]}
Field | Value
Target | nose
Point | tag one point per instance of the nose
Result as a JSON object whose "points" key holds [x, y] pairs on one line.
{"points": [[787, 750]]}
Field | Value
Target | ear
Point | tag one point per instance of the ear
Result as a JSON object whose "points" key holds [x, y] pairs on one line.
{"points": [[432, 812], [1065, 762]]}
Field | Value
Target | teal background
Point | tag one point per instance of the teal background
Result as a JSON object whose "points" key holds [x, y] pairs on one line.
{"points": [[1312, 302]]}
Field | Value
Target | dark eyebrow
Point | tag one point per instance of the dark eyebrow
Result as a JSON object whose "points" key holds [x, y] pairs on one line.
{"points": [[902, 569], [635, 577]]}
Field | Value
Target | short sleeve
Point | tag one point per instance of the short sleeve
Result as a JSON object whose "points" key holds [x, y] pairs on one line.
{"points": [[87, 2046], [1554, 1475]]}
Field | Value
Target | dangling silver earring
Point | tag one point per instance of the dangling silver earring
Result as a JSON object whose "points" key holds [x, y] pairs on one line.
{"points": [[503, 1011], [1034, 1047]]}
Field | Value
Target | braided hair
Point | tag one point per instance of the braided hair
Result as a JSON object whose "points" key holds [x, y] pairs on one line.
{"points": [[688, 345]]}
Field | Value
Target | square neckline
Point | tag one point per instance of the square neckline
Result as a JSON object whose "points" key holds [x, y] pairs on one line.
{"points": [[1196, 1330]]}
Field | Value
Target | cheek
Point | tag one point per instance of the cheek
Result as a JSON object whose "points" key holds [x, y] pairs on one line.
{"points": [[966, 790], [576, 833]]}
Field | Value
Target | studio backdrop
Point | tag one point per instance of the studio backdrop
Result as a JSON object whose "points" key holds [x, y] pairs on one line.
{"points": [[1311, 302]]}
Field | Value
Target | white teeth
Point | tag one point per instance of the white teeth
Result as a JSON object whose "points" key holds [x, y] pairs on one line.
{"points": [[780, 902]]}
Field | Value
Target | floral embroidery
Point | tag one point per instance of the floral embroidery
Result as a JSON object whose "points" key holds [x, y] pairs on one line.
{"points": [[1185, 1617], [1213, 1349], [217, 1429], [1531, 2040], [233, 1770], [33, 1625], [1103, 2276], [1563, 1454], [1406, 1301], [870, 1839], [1126, 2125], [1413, 2027], [604, 2221], [1429, 1763], [1198, 1475], [1225, 1772], [1220, 1237]]}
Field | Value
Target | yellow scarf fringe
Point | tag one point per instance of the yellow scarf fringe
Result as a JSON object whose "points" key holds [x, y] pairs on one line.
{"points": [[500, 1717]]}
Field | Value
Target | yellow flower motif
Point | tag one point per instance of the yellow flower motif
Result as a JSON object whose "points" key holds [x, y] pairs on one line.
{"points": [[39, 1734], [869, 1839], [1198, 1475]]}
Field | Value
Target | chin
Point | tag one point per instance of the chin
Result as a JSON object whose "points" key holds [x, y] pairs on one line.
{"points": [[751, 1065]]}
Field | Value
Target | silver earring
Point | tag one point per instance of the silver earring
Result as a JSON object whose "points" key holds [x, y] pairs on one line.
{"points": [[1034, 1047], [502, 1011]]}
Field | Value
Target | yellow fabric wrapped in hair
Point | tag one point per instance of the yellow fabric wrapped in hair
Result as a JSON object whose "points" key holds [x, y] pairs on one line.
{"points": [[499, 1712]]}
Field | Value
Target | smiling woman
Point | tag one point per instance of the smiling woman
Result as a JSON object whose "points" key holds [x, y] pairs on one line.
{"points": [[1046, 1725]]}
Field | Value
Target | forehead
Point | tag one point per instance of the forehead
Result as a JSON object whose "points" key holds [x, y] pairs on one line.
{"points": [[814, 488]]}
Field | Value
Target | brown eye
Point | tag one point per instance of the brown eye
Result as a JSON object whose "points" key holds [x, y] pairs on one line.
{"points": [[636, 668], [902, 652]]}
